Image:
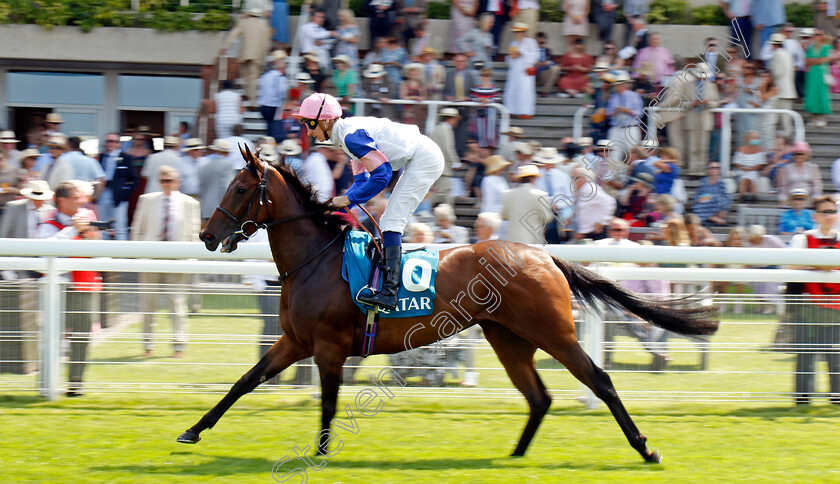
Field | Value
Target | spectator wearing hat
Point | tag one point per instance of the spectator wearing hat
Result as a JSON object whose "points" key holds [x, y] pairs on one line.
{"points": [[274, 87], [462, 15], [557, 183], [255, 33], [624, 111], [228, 107], [796, 219], [508, 140], [312, 67], [526, 208], [28, 158], [345, 79], [477, 44], [236, 141], [634, 201], [523, 153], [493, 184], [520, 88], [290, 150], [457, 88], [21, 218], [11, 180], [801, 173], [120, 182], [168, 215], [444, 137], [8, 144], [56, 170], [547, 70], [377, 85], [170, 156], [434, 74], [394, 57], [413, 89], [214, 176], [595, 208], [190, 166], [711, 200], [486, 118], [576, 65], [52, 124], [347, 34], [316, 171]]}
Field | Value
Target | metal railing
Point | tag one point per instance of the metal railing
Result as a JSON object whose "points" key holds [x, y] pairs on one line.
{"points": [[230, 306], [433, 106]]}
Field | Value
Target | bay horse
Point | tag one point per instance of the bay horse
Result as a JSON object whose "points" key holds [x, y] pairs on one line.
{"points": [[319, 318]]}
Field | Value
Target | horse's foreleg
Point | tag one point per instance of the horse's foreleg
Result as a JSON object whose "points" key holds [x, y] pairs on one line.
{"points": [[329, 367], [582, 367], [517, 356], [279, 357]]}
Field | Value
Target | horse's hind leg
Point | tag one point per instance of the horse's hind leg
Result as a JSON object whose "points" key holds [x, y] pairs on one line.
{"points": [[278, 358], [517, 356], [581, 366], [330, 362]]}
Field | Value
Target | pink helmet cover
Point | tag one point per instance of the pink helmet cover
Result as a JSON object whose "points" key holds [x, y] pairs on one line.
{"points": [[311, 105]]}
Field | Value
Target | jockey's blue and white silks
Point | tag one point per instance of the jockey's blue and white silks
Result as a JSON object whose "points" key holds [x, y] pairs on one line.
{"points": [[405, 148], [417, 291]]}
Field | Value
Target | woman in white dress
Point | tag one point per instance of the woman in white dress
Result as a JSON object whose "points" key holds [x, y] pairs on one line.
{"points": [[493, 185], [520, 96]]}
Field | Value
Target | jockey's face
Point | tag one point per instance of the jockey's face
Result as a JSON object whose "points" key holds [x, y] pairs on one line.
{"points": [[321, 131]]}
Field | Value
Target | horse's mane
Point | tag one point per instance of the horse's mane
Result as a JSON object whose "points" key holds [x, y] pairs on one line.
{"points": [[332, 222]]}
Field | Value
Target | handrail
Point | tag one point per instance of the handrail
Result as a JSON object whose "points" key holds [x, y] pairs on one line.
{"points": [[577, 121], [726, 127], [431, 117]]}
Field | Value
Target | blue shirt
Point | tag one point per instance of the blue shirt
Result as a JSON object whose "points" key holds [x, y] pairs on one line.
{"points": [[273, 87], [664, 181], [85, 167], [791, 221], [768, 12], [630, 100], [709, 199]]}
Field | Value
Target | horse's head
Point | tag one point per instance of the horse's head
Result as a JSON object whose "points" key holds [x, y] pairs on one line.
{"points": [[243, 209]]}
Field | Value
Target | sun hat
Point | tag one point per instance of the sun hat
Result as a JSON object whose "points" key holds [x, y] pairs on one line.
{"points": [[801, 146], [778, 38], [413, 65], [221, 145], [601, 66], [374, 71], [548, 155], [527, 170], [514, 131], [171, 141], [449, 113], [520, 27], [8, 136], [304, 78], [310, 107], [57, 140], [37, 190], [193, 144], [269, 153], [495, 163], [344, 58], [29, 153], [289, 147], [645, 178], [523, 147], [585, 141], [54, 118]]}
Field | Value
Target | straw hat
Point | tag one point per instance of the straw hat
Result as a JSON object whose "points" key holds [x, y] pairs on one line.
{"points": [[429, 50], [311, 58], [413, 65], [807, 32], [621, 77], [520, 27], [254, 12], [54, 118], [548, 155], [602, 144], [266, 140], [29, 153], [37, 190], [585, 141], [289, 147], [777, 39], [8, 136], [495, 163], [278, 54], [171, 141], [374, 71], [269, 153], [523, 147], [327, 143], [646, 69], [343, 58], [222, 145], [449, 113], [527, 170], [57, 140], [304, 78], [644, 178], [601, 66], [798, 193], [193, 144], [515, 131]]}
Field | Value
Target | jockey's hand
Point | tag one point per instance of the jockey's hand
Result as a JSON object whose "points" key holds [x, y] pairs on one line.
{"points": [[339, 202]]}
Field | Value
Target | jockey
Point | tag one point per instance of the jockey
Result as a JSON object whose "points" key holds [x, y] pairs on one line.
{"points": [[378, 147]]}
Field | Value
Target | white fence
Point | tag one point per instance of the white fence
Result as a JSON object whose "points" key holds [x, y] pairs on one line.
{"points": [[224, 330]]}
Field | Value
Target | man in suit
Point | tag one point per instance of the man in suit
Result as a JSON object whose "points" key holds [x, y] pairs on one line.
{"points": [[784, 76], [547, 70], [120, 180], [166, 216], [434, 73], [444, 137], [256, 42], [214, 178], [459, 83], [526, 208]]}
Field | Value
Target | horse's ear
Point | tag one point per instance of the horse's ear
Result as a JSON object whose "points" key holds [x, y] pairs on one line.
{"points": [[252, 162]]}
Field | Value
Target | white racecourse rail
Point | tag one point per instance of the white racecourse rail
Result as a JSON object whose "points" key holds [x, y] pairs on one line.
{"points": [[748, 335]]}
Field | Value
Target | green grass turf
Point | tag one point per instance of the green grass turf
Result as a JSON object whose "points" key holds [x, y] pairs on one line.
{"points": [[131, 437]]}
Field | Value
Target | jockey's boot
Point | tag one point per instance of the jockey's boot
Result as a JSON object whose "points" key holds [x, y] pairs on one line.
{"points": [[386, 297]]}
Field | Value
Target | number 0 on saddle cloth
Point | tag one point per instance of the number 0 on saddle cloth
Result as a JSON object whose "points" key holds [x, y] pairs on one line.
{"points": [[417, 288]]}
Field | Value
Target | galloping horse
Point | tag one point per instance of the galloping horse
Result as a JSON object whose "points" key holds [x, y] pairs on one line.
{"points": [[319, 318]]}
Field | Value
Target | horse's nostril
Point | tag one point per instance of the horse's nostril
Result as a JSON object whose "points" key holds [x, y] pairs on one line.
{"points": [[207, 237]]}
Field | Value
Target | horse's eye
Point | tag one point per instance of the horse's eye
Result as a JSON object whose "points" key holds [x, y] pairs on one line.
{"points": [[241, 191]]}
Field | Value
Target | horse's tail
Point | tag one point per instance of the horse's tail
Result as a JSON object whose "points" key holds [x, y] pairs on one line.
{"points": [[589, 286]]}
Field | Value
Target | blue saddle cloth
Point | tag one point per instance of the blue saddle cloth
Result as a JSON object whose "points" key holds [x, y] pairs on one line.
{"points": [[417, 288]]}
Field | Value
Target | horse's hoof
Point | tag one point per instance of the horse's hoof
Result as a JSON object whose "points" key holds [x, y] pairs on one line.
{"points": [[653, 458], [189, 437]]}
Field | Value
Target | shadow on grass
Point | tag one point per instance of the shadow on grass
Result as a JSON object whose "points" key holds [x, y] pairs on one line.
{"points": [[212, 466], [552, 364]]}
